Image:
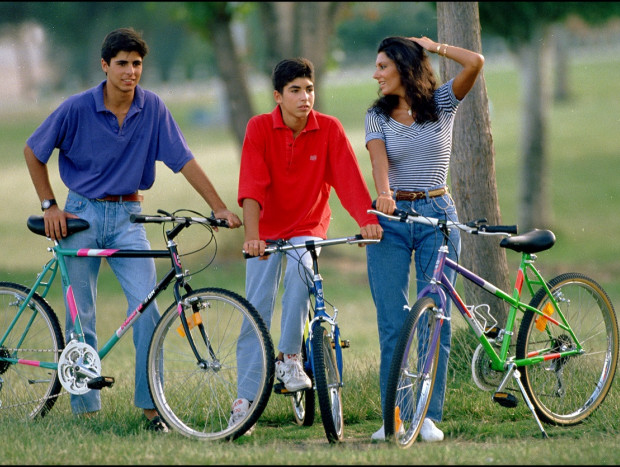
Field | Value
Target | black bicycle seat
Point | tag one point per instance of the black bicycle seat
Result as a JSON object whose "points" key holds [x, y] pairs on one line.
{"points": [[530, 242], [37, 225]]}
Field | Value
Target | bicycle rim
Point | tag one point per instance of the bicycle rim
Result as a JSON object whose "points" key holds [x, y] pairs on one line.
{"points": [[303, 401], [409, 387], [328, 387], [27, 391], [565, 391], [196, 398]]}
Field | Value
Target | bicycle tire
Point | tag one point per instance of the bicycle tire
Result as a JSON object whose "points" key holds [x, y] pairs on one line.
{"points": [[408, 394], [303, 401], [196, 399], [328, 385], [28, 391], [565, 391]]}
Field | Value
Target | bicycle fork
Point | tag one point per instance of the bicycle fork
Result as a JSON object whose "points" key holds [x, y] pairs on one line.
{"points": [[507, 400]]}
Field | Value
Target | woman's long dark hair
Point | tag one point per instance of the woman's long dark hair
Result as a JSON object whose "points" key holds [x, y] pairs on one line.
{"points": [[417, 76]]}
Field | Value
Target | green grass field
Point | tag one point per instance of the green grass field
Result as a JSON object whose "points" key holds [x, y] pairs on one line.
{"points": [[583, 150]]}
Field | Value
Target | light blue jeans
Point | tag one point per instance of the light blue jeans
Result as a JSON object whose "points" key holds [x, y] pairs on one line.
{"points": [[262, 280], [389, 263], [110, 228]]}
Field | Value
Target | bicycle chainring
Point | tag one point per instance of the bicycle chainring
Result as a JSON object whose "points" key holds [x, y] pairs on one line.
{"points": [[4, 365], [76, 356], [483, 375]]}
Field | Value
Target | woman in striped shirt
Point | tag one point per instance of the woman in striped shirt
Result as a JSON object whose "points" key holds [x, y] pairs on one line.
{"points": [[409, 138]]}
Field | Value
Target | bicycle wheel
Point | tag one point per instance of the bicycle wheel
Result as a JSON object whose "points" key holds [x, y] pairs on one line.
{"points": [[195, 396], [327, 380], [565, 391], [303, 401], [412, 375], [27, 391]]}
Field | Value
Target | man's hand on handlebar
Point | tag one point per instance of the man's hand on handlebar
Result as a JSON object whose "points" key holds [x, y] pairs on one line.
{"points": [[255, 248], [371, 231], [231, 217]]}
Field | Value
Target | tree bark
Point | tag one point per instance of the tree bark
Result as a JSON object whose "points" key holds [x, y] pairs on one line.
{"points": [[301, 29], [231, 71], [472, 166]]}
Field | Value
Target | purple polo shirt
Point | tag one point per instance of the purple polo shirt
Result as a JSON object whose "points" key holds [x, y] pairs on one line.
{"points": [[96, 157]]}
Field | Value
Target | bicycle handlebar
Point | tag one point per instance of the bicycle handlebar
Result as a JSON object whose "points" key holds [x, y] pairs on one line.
{"points": [[283, 245], [477, 227], [166, 217]]}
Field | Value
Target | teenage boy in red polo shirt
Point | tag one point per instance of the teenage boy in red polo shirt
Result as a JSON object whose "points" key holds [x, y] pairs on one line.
{"points": [[291, 158]]}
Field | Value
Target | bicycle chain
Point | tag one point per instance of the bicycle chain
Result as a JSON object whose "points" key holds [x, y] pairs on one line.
{"points": [[57, 396], [32, 350]]}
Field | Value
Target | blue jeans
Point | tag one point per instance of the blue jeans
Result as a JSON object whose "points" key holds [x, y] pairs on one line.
{"points": [[110, 228], [389, 263], [262, 280]]}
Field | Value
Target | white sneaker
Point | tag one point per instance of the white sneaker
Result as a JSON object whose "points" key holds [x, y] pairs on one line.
{"points": [[379, 435], [291, 373], [429, 432], [238, 413]]}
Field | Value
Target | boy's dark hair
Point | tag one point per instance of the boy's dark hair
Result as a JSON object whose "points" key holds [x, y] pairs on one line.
{"points": [[123, 39], [290, 69]]}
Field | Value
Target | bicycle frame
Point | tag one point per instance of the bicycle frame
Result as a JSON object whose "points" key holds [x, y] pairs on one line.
{"points": [[439, 282], [316, 288], [51, 269]]}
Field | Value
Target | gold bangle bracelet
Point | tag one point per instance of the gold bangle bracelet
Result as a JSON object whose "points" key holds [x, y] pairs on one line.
{"points": [[445, 50], [438, 47]]}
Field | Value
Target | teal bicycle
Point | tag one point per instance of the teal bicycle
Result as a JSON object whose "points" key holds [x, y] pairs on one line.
{"points": [[191, 365], [566, 346]]}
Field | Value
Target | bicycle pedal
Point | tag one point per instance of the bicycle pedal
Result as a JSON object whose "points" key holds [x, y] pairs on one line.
{"points": [[505, 399], [344, 344], [279, 388], [100, 382], [491, 333]]}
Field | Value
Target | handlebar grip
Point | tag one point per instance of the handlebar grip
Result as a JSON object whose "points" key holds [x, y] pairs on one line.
{"points": [[509, 229], [138, 218], [219, 222], [248, 256], [397, 212]]}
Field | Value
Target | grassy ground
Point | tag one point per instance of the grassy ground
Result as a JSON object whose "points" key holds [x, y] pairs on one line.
{"points": [[585, 194]]}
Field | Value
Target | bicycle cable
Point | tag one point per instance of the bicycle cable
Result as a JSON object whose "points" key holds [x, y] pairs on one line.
{"points": [[211, 239]]}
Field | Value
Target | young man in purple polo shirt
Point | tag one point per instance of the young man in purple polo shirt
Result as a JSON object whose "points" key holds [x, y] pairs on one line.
{"points": [[109, 138]]}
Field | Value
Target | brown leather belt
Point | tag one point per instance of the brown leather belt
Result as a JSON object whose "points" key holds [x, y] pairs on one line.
{"points": [[413, 195], [118, 198]]}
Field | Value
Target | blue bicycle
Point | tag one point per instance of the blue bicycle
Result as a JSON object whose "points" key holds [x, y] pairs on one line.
{"points": [[322, 346]]}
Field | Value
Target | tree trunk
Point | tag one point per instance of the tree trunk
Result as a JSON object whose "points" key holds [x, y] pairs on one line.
{"points": [[560, 60], [233, 75], [472, 166], [314, 36], [301, 29], [534, 201]]}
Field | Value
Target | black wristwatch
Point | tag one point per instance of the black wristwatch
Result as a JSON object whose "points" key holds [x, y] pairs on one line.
{"points": [[47, 203]]}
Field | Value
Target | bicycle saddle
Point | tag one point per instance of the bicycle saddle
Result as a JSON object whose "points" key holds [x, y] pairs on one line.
{"points": [[530, 242], [36, 225]]}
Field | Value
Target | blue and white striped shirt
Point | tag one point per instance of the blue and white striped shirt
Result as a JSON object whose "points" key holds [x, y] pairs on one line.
{"points": [[418, 155]]}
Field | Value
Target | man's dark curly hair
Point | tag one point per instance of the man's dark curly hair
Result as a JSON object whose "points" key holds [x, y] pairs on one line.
{"points": [[289, 70], [123, 39], [417, 76]]}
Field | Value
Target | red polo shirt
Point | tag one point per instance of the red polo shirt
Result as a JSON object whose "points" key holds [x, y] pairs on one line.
{"points": [[292, 178]]}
